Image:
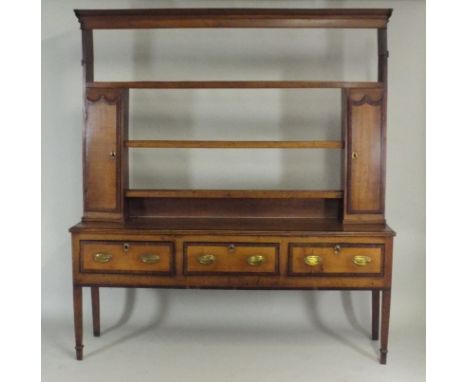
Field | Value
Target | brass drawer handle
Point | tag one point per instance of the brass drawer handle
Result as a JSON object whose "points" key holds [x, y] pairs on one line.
{"points": [[312, 260], [361, 260], [150, 259], [102, 257], [206, 259], [255, 260]]}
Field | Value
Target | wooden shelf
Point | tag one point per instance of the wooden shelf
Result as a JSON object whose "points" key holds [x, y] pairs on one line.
{"points": [[235, 144], [233, 84], [243, 226], [247, 194], [232, 18]]}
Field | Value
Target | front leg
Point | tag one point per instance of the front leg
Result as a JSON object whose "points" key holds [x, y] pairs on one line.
{"points": [[375, 314], [96, 311], [386, 294], [78, 319]]}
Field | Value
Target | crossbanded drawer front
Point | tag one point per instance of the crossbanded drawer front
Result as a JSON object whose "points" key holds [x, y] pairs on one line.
{"points": [[127, 257], [334, 259], [231, 258]]}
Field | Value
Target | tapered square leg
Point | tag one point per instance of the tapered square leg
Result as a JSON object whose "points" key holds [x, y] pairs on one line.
{"points": [[96, 311], [386, 295], [78, 320], [375, 314]]}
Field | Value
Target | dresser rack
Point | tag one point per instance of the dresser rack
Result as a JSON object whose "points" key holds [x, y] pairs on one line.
{"points": [[242, 239]]}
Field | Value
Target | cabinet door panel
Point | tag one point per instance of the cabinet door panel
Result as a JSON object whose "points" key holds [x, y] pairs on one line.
{"points": [[105, 158], [365, 155], [101, 149], [365, 158]]}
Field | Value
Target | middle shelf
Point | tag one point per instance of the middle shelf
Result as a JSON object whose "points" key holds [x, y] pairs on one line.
{"points": [[210, 144]]}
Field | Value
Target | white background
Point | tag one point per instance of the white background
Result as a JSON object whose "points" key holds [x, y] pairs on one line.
{"points": [[234, 335]]}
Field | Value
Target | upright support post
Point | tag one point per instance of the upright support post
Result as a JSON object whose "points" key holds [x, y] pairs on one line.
{"points": [[364, 132], [87, 55], [382, 49]]}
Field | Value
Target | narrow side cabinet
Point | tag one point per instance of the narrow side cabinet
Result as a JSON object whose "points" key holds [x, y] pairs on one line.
{"points": [[244, 239]]}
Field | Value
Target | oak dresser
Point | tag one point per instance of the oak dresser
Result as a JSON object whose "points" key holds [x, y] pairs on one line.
{"points": [[245, 239]]}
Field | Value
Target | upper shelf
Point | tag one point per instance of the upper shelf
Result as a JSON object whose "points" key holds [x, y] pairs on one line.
{"points": [[232, 18], [234, 84]]}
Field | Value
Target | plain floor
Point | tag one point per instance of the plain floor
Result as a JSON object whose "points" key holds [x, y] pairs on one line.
{"points": [[198, 341]]}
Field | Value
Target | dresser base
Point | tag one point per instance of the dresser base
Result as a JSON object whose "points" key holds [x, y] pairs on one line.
{"points": [[332, 257]]}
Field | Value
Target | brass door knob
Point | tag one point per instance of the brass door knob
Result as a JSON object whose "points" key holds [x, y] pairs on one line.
{"points": [[354, 155], [150, 259], [312, 260], [361, 260], [255, 260], [206, 259], [102, 257]]}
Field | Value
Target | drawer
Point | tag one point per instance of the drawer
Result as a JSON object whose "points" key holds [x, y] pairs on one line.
{"points": [[332, 259], [231, 258], [127, 257]]}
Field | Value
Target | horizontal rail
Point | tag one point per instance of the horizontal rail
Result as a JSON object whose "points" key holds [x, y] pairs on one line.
{"points": [[247, 194], [234, 84], [235, 144], [232, 18]]}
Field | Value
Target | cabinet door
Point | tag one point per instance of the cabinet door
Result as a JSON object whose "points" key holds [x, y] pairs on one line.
{"points": [[104, 156], [364, 155]]}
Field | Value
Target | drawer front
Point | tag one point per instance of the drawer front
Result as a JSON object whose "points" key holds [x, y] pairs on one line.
{"points": [[231, 258], [127, 257], [335, 259]]}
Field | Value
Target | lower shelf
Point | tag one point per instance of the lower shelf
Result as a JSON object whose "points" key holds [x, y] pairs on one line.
{"points": [[285, 226]]}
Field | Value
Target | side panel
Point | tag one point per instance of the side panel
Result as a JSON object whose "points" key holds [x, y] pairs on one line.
{"points": [[104, 156], [364, 155]]}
